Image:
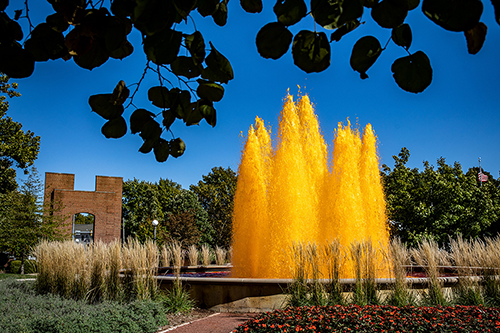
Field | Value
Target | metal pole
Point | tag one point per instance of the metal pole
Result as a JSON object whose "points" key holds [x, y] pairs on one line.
{"points": [[479, 176], [123, 237], [154, 237]]}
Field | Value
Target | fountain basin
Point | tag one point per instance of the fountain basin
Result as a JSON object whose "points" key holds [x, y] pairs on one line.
{"points": [[261, 295]]}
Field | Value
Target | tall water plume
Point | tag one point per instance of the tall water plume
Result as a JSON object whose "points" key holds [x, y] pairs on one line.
{"points": [[290, 194]]}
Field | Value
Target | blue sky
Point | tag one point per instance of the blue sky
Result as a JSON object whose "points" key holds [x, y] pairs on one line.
{"points": [[457, 117]]}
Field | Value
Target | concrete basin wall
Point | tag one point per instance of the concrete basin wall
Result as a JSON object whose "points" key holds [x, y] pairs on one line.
{"points": [[260, 295]]}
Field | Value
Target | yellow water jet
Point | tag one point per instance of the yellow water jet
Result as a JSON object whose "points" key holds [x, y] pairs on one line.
{"points": [[289, 194]]}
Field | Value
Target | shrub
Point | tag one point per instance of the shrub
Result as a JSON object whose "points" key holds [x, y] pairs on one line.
{"points": [[24, 311], [15, 267]]}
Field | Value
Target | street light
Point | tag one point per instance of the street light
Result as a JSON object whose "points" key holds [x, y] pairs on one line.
{"points": [[155, 223]]}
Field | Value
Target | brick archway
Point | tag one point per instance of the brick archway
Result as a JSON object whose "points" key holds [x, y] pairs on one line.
{"points": [[105, 203]]}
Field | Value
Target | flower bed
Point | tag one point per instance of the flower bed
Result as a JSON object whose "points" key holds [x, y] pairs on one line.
{"points": [[370, 318]]}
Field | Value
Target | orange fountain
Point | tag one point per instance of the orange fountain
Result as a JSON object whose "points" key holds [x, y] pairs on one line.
{"points": [[294, 192]]}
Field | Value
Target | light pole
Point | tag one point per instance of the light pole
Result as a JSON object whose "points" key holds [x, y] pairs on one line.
{"points": [[155, 223]]}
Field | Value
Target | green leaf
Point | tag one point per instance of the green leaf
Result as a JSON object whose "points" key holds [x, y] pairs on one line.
{"points": [[207, 7], [147, 146], [290, 12], [496, 6], [161, 150], [344, 30], [273, 40], [402, 36], [185, 66], [123, 8], [369, 3], [390, 13], [193, 115], [154, 16], [139, 119], [220, 15], [57, 22], [454, 15], [120, 93], [251, 6], [162, 47], [177, 147], [332, 14], [150, 130], [168, 118], [46, 43], [208, 112], [218, 67], [475, 38], [10, 30], [114, 128], [311, 51], [3, 5], [96, 56], [413, 73], [364, 54], [184, 7], [412, 4], [196, 46], [117, 30], [179, 101], [123, 51], [210, 91], [103, 105], [16, 62], [159, 96]]}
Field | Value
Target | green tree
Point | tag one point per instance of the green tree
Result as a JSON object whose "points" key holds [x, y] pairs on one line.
{"points": [[216, 194], [187, 202], [170, 204], [93, 31], [438, 202], [140, 206], [22, 220], [18, 149]]}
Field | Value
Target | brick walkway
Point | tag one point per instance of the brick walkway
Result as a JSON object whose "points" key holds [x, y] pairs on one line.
{"points": [[216, 323]]}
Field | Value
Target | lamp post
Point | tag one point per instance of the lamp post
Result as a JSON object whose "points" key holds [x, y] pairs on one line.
{"points": [[155, 223]]}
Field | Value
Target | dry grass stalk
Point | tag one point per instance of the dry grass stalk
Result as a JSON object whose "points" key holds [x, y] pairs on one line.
{"points": [[113, 266], [176, 251], [97, 260], [399, 256], [430, 257], [166, 256], [206, 255], [193, 255], [364, 257], [335, 259], [220, 255]]}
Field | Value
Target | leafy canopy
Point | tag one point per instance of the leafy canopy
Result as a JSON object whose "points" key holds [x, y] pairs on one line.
{"points": [[18, 149], [191, 74], [216, 195], [440, 202]]}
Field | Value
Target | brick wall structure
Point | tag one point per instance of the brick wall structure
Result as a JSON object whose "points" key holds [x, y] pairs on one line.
{"points": [[105, 203]]}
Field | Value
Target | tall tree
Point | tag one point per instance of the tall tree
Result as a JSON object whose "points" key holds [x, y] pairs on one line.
{"points": [[215, 193], [18, 149], [140, 206], [91, 32], [187, 202], [22, 220], [438, 202]]}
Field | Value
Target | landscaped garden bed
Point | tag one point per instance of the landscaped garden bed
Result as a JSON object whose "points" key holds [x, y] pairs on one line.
{"points": [[372, 318]]}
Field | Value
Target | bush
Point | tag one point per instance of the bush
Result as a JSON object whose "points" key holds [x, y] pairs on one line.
{"points": [[25, 311], [15, 267]]}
